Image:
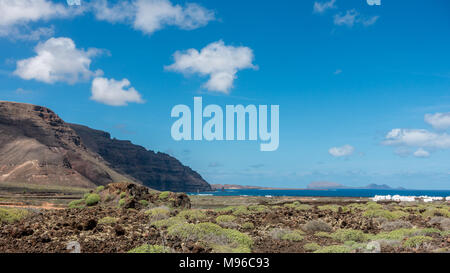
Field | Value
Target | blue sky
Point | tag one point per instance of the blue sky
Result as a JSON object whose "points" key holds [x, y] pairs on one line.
{"points": [[345, 74]]}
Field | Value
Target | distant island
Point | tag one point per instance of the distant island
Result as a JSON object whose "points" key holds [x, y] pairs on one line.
{"points": [[316, 185]]}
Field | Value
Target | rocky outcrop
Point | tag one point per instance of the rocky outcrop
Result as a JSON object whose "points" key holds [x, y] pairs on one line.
{"points": [[155, 170], [37, 146]]}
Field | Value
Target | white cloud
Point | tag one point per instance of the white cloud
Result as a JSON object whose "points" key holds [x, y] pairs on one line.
{"points": [[16, 14], [22, 11], [149, 16], [421, 153], [369, 21], [114, 93], [352, 17], [345, 150], [152, 15], [417, 138], [218, 61], [120, 12], [24, 33], [58, 60], [321, 7], [440, 121], [347, 19]]}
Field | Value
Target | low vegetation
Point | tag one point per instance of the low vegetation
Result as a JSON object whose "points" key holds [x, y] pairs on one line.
{"points": [[287, 234], [214, 236], [123, 221], [11, 215], [92, 199], [150, 249], [108, 220]]}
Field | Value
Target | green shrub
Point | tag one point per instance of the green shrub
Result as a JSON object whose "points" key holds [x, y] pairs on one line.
{"points": [[373, 206], [225, 209], [236, 210], [258, 208], [144, 203], [311, 247], [390, 215], [429, 231], [430, 212], [192, 214], [416, 241], [298, 206], [150, 249], [397, 234], [333, 208], [92, 199], [86, 195], [225, 218], [122, 195], [240, 210], [158, 213], [334, 249], [292, 236], [214, 236], [349, 235], [122, 202], [323, 234], [11, 215], [99, 189], [164, 195], [108, 220], [76, 204], [248, 225]]}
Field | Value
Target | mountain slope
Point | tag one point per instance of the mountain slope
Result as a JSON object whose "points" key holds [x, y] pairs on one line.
{"points": [[37, 146], [156, 170]]}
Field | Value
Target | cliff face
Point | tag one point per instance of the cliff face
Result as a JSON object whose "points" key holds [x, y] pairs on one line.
{"points": [[156, 170], [36, 146]]}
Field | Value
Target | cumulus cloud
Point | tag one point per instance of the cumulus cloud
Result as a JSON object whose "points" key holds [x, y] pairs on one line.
{"points": [[345, 150], [421, 153], [149, 16], [321, 7], [152, 15], [15, 16], [114, 93], [58, 60], [216, 60], [417, 138], [352, 17], [22, 11], [440, 121]]}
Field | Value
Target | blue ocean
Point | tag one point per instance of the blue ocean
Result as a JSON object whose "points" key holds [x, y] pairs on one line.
{"points": [[327, 193]]}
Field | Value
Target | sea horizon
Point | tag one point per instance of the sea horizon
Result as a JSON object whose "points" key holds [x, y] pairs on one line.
{"points": [[343, 192]]}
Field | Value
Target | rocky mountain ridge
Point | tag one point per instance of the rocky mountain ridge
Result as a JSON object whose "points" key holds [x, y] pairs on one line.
{"points": [[38, 147]]}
